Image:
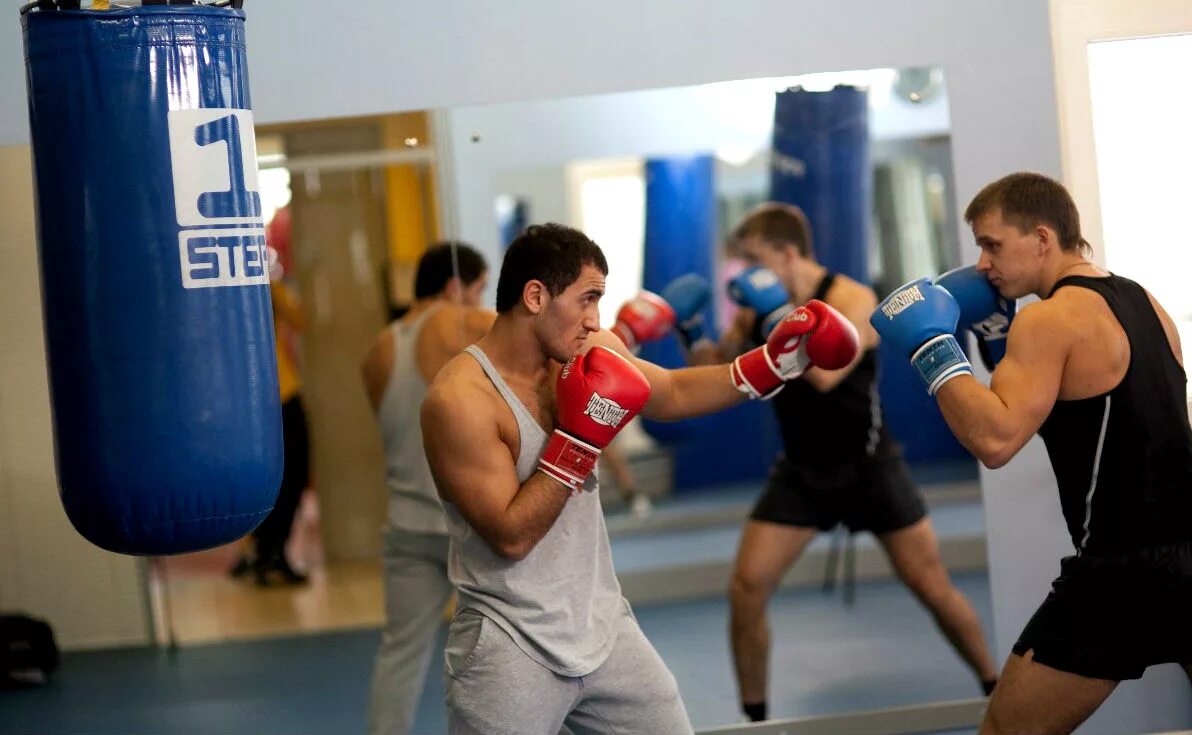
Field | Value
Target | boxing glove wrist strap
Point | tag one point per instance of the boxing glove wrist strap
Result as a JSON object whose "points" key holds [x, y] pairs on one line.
{"points": [[940, 359], [755, 375], [568, 459]]}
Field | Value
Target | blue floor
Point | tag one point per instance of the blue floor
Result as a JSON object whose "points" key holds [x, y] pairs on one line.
{"points": [[882, 652]]}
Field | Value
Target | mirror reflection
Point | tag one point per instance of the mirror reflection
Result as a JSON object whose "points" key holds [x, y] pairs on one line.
{"points": [[818, 553]]}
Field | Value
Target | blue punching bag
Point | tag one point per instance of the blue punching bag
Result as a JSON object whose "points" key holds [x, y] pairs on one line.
{"points": [[159, 338], [821, 163], [680, 238]]}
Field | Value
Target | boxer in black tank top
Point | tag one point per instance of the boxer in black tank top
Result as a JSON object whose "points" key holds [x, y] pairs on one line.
{"points": [[1096, 369], [840, 465]]}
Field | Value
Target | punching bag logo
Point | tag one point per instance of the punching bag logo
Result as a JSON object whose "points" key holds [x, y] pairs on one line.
{"points": [[217, 199]]}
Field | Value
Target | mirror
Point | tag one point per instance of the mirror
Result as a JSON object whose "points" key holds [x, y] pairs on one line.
{"points": [[368, 195]]}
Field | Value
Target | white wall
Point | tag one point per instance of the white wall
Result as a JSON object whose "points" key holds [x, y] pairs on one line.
{"points": [[313, 59]]}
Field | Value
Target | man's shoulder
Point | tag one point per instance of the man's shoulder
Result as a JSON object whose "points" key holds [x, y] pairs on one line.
{"points": [[1054, 320], [460, 378], [450, 321], [850, 296]]}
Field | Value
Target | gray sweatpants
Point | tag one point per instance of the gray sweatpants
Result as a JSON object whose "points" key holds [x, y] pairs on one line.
{"points": [[416, 590], [494, 688]]}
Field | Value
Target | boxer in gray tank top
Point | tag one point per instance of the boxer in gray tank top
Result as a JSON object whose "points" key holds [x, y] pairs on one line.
{"points": [[542, 639], [442, 321]]}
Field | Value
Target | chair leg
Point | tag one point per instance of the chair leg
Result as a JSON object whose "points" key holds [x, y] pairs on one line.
{"points": [[850, 568], [832, 563]]}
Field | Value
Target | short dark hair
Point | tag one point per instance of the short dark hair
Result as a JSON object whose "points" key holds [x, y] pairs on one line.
{"points": [[437, 266], [1027, 200], [777, 224], [552, 253]]}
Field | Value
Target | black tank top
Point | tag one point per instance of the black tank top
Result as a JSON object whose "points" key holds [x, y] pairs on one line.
{"points": [[1123, 459], [842, 425]]}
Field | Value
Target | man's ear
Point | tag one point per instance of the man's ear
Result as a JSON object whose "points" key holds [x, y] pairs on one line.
{"points": [[1045, 237], [535, 296], [454, 290]]}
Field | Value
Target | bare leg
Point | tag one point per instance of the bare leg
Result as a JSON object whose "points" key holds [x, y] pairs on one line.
{"points": [[767, 550], [1033, 699], [914, 552]]}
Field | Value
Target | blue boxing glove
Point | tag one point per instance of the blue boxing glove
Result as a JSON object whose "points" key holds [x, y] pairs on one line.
{"points": [[688, 295], [918, 320], [759, 289], [982, 309]]}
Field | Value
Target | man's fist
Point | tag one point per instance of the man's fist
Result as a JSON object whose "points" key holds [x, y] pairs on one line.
{"points": [[812, 335], [918, 320], [982, 309], [644, 318], [759, 289], [688, 295], [597, 394]]}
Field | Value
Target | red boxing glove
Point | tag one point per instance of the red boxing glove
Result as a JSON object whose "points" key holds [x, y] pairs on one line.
{"points": [[644, 318], [811, 335], [598, 393]]}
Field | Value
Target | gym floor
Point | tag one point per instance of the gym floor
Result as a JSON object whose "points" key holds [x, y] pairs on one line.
{"points": [[883, 651], [299, 659]]}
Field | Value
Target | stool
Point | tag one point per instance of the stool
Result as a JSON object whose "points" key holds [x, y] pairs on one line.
{"points": [[842, 536]]}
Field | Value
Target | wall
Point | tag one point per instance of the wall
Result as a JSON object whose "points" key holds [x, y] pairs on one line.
{"points": [[379, 56], [486, 142], [90, 597]]}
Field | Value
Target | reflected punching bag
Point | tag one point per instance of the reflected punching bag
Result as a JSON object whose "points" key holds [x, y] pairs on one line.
{"points": [[159, 336], [820, 163], [726, 447]]}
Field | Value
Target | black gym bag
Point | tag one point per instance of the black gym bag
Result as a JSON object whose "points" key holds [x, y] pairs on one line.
{"points": [[28, 654]]}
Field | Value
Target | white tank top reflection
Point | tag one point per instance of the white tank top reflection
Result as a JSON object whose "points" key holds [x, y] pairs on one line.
{"points": [[413, 501]]}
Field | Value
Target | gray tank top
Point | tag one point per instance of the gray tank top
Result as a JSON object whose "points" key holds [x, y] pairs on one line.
{"points": [[413, 501], [560, 603]]}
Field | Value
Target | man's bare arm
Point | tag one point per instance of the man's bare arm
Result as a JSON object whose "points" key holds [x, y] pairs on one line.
{"points": [[474, 470], [995, 422], [856, 304], [733, 342], [678, 394]]}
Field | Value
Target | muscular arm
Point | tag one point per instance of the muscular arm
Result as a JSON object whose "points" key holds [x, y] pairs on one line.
{"points": [[995, 422], [678, 394], [733, 342], [856, 304], [474, 470]]}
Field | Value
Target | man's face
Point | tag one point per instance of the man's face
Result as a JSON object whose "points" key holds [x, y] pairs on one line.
{"points": [[1012, 260], [471, 294], [756, 251], [567, 319]]}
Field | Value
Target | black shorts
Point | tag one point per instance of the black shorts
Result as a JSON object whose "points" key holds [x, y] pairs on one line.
{"points": [[1112, 617], [871, 495]]}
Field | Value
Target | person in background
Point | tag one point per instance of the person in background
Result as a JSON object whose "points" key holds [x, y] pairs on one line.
{"points": [[444, 319], [842, 467], [266, 560]]}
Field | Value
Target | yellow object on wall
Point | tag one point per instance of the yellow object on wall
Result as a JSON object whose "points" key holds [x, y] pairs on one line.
{"points": [[409, 201]]}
